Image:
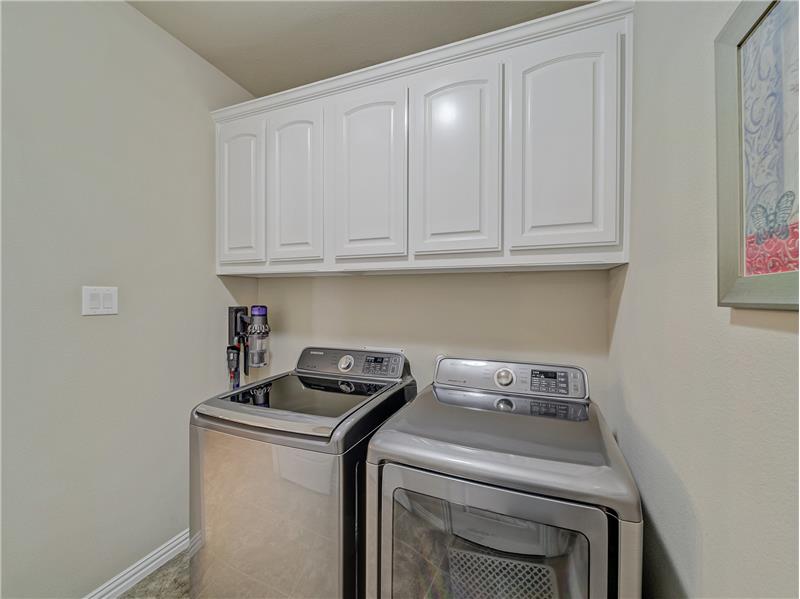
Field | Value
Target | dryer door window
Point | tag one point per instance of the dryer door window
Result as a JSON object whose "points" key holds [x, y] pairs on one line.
{"points": [[444, 549], [444, 537]]}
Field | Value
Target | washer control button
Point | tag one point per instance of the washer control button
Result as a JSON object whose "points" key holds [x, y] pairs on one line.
{"points": [[504, 377], [346, 362], [504, 405]]}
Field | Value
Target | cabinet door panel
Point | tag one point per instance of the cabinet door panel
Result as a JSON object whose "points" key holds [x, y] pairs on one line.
{"points": [[294, 183], [240, 197], [565, 95], [455, 157], [367, 151]]}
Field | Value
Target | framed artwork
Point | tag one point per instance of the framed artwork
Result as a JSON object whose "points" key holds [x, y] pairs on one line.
{"points": [[756, 61]]}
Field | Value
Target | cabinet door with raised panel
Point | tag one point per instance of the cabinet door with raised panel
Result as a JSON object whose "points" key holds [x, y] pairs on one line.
{"points": [[367, 166], [565, 136], [240, 191], [455, 182], [294, 183]]}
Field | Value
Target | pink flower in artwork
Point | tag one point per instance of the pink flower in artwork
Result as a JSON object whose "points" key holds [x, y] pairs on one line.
{"points": [[771, 247], [774, 255], [791, 243]]}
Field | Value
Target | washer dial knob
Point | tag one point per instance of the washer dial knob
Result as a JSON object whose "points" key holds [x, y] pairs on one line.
{"points": [[504, 377], [346, 362]]}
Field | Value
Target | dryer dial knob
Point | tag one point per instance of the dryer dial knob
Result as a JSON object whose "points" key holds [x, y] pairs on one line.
{"points": [[346, 362], [504, 377], [504, 405]]}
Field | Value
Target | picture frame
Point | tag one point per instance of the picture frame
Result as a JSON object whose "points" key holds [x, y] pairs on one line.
{"points": [[742, 217]]}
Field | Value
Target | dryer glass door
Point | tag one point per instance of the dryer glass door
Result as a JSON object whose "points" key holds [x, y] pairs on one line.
{"points": [[444, 537]]}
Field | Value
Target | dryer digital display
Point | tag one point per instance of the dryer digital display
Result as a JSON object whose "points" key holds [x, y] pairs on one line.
{"points": [[544, 374], [550, 381]]}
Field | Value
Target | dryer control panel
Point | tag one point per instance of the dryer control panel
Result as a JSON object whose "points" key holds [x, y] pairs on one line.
{"points": [[518, 378], [353, 362]]}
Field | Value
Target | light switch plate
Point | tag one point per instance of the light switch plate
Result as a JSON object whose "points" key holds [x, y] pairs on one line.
{"points": [[99, 300]]}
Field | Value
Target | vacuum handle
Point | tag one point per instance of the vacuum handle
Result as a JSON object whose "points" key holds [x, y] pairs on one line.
{"points": [[246, 355]]}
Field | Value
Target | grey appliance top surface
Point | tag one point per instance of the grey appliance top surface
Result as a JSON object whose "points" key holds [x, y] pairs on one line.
{"points": [[330, 389], [559, 447]]}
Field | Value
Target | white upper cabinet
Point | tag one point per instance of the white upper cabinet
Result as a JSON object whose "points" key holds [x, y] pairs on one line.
{"points": [[366, 162], [455, 174], [240, 191], [507, 151], [294, 183], [565, 96]]}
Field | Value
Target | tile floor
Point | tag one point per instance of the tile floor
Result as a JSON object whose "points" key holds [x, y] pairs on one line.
{"points": [[170, 581]]}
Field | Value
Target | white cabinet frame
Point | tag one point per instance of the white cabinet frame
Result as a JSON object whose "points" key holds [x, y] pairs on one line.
{"points": [[294, 183], [565, 101], [456, 157], [240, 191], [366, 154]]}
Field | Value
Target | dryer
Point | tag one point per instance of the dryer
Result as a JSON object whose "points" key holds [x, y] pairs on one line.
{"points": [[501, 479]]}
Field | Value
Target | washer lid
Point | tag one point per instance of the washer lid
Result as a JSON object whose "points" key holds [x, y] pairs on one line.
{"points": [[526, 448], [307, 405]]}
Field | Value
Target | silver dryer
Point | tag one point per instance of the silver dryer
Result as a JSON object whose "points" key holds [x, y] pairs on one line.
{"points": [[501, 480]]}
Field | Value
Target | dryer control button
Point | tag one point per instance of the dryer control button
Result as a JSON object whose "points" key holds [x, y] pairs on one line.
{"points": [[346, 363], [504, 377]]}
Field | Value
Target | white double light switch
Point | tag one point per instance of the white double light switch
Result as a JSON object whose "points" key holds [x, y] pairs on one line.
{"points": [[99, 300]]}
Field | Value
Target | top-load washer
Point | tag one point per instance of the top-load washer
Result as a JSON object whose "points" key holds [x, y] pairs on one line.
{"points": [[277, 476], [501, 479]]}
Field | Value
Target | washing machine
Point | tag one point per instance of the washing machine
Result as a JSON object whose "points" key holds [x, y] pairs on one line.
{"points": [[501, 480], [277, 476]]}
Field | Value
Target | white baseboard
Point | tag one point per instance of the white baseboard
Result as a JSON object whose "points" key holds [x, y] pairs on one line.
{"points": [[149, 563]]}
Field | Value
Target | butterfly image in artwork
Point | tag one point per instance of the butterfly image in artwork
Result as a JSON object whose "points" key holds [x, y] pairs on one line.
{"points": [[773, 223]]}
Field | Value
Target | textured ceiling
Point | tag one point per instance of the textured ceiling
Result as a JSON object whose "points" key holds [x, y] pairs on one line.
{"points": [[268, 47]]}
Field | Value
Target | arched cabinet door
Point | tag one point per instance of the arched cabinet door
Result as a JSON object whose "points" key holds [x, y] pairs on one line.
{"points": [[455, 185], [366, 164], [240, 191], [294, 183], [565, 97]]}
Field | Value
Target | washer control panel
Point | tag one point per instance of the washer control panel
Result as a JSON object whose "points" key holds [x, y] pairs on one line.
{"points": [[519, 378], [354, 362]]}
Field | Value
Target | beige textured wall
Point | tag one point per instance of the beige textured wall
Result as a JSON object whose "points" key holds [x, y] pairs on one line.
{"points": [[554, 316], [704, 399], [107, 180]]}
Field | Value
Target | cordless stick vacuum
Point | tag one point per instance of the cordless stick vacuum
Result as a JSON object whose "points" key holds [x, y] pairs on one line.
{"points": [[233, 365], [248, 339]]}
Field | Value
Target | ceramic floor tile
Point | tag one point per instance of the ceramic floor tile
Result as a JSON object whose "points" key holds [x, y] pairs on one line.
{"points": [[170, 581], [232, 584]]}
